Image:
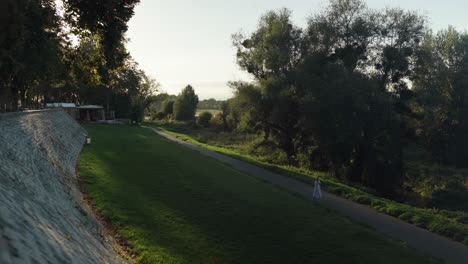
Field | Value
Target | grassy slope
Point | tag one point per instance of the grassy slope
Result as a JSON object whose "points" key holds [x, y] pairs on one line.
{"points": [[447, 223], [174, 205]]}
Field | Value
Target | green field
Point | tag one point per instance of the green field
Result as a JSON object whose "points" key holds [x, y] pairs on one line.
{"points": [[174, 205], [212, 111]]}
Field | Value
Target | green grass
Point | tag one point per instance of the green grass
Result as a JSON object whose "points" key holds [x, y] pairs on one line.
{"points": [[174, 205], [451, 224]]}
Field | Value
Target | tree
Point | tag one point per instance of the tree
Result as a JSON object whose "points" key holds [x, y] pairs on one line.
{"points": [[141, 96], [345, 31], [185, 105], [356, 70], [29, 47], [39, 61], [381, 43], [204, 119], [441, 81], [323, 94], [83, 83], [224, 114], [350, 127], [210, 104], [271, 55], [401, 33], [168, 108], [108, 19]]}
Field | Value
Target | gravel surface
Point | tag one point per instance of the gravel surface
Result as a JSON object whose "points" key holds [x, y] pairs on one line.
{"points": [[42, 216]]}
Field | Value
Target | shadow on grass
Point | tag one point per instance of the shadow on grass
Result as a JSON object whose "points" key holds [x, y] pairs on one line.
{"points": [[174, 205]]}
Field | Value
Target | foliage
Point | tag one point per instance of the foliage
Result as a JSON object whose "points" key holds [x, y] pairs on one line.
{"points": [[444, 96], [271, 55], [169, 108], [69, 51], [106, 18], [29, 49], [204, 119], [331, 95], [224, 114], [185, 105], [211, 104], [162, 103]]}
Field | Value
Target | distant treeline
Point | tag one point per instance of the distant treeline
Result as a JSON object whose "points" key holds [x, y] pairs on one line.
{"points": [[210, 104]]}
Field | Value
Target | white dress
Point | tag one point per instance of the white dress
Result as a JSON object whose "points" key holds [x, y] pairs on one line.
{"points": [[317, 190]]}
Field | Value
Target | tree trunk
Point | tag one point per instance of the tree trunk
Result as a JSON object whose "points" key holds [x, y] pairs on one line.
{"points": [[288, 146]]}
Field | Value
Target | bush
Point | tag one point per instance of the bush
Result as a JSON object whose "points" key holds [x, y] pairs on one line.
{"points": [[159, 116], [136, 113], [217, 121], [394, 211], [363, 200], [451, 200], [406, 216], [204, 119]]}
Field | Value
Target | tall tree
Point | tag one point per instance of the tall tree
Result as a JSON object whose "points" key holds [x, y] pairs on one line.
{"points": [[108, 19], [185, 105], [345, 31], [271, 55], [29, 46], [442, 81]]}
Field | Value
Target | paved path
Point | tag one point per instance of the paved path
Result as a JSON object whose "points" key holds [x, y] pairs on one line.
{"points": [[432, 244]]}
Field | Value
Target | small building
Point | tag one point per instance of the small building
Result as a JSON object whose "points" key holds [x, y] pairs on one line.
{"points": [[70, 108], [91, 113]]}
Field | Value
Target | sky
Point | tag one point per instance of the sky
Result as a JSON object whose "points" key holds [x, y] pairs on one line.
{"points": [[181, 42]]}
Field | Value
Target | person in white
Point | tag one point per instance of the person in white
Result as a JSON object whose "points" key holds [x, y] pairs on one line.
{"points": [[317, 190]]}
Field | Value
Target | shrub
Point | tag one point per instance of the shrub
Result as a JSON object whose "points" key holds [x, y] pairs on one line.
{"points": [[394, 211], [452, 200], [363, 200], [406, 216], [217, 121], [204, 119], [159, 116], [136, 113]]}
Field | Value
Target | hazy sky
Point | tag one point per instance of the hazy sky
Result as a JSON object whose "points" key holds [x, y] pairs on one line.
{"points": [[182, 42]]}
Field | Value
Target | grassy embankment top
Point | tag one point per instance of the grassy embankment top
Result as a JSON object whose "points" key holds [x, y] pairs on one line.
{"points": [[174, 205]]}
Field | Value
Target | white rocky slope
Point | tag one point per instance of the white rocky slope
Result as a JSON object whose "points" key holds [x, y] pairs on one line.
{"points": [[42, 218]]}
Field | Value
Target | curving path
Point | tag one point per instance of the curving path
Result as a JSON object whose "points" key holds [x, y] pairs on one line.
{"points": [[432, 244]]}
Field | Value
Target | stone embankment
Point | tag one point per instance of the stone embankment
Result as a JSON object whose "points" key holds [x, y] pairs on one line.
{"points": [[42, 216]]}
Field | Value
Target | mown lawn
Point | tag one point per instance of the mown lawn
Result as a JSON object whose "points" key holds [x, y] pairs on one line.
{"points": [[174, 205], [451, 224]]}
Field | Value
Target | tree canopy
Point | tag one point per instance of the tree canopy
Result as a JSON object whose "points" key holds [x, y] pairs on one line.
{"points": [[185, 105], [70, 51], [339, 94]]}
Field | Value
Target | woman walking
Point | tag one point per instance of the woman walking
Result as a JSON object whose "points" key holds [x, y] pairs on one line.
{"points": [[317, 194]]}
